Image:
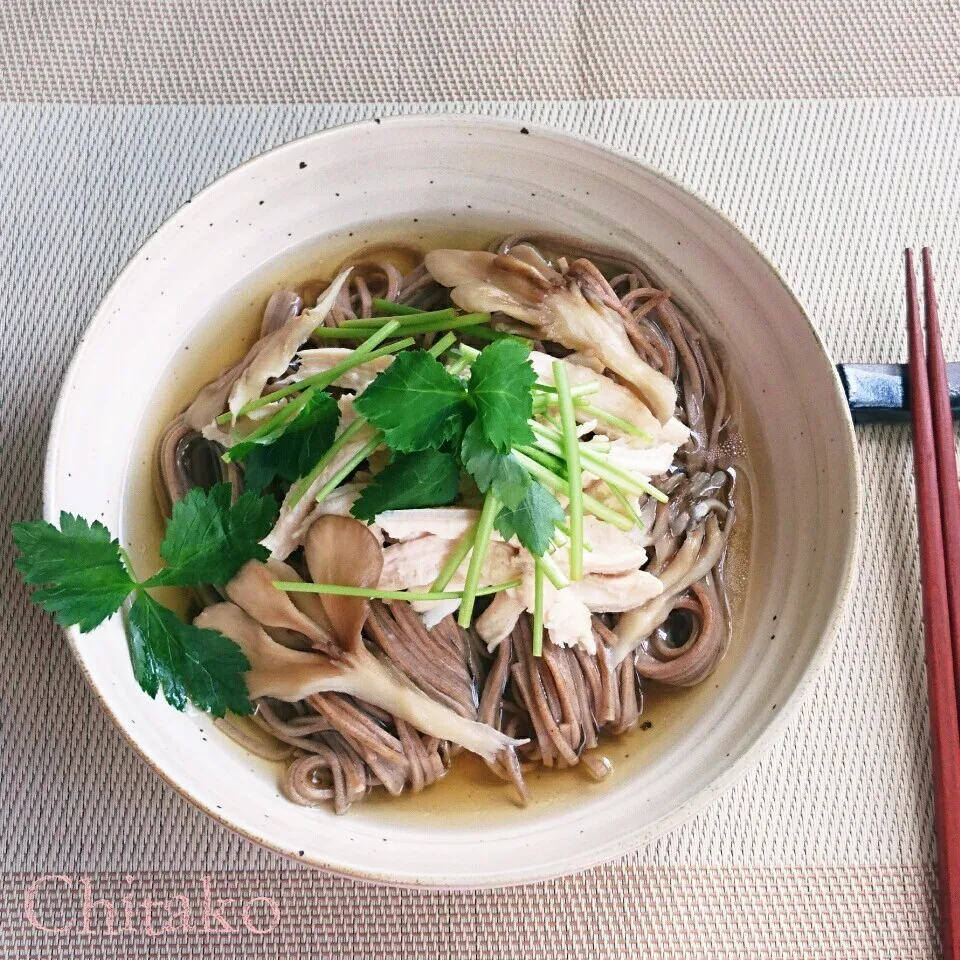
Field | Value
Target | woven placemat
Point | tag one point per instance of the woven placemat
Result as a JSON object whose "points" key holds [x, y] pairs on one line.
{"points": [[823, 851], [301, 51]]}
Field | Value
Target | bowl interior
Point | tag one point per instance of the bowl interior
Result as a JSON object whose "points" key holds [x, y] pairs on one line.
{"points": [[188, 303]]}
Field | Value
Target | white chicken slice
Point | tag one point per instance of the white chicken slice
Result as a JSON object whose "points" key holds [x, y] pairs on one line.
{"points": [[614, 399], [415, 564], [487, 282], [448, 523], [635, 458], [611, 550], [567, 612]]}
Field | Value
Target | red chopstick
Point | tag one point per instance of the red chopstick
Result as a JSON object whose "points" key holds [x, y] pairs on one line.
{"points": [[938, 516], [946, 458]]}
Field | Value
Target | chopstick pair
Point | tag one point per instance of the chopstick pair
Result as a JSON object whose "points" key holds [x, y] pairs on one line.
{"points": [[938, 516]]}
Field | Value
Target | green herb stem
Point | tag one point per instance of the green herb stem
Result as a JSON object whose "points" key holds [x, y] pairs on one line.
{"points": [[625, 503], [553, 573], [322, 380], [442, 345], [548, 459], [453, 562], [616, 421], [549, 479], [484, 530], [429, 316], [488, 333], [338, 444], [537, 607], [583, 390], [365, 451], [297, 586], [281, 418], [390, 309], [411, 329], [598, 464], [571, 449]]}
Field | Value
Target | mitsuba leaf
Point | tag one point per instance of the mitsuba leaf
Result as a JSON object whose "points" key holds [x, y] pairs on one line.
{"points": [[427, 478], [416, 402], [209, 539], [186, 662], [492, 469], [534, 521], [501, 382], [80, 565], [293, 453]]}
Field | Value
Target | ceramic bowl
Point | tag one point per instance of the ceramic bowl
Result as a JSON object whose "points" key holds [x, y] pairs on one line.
{"points": [[183, 307]]}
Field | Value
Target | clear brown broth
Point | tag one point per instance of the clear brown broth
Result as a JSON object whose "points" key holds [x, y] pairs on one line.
{"points": [[468, 789]]}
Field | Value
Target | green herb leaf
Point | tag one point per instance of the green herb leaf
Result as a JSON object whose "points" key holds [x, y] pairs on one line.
{"points": [[297, 448], [209, 539], [428, 478], [80, 565], [534, 521], [187, 662], [492, 469], [416, 403], [501, 380]]}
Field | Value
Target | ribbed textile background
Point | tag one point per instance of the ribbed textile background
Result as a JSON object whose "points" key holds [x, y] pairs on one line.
{"points": [[323, 51], [824, 851]]}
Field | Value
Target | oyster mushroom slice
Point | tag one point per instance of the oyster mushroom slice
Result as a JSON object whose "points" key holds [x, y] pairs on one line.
{"points": [[252, 590], [487, 282], [271, 355], [343, 551]]}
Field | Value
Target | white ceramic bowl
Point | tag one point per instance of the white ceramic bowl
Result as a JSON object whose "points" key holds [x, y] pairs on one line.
{"points": [[175, 315]]}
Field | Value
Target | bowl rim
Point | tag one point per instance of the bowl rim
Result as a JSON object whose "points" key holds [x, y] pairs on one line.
{"points": [[772, 730]]}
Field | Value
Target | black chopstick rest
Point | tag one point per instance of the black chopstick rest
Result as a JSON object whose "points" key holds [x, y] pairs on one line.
{"points": [[877, 392]]}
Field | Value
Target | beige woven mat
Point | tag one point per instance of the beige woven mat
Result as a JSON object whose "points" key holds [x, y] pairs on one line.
{"points": [[824, 850], [321, 51]]}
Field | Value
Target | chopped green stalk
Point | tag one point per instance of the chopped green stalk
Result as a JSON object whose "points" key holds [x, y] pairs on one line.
{"points": [[467, 356], [488, 333], [625, 503], [283, 416], [559, 485], [429, 316], [583, 390], [571, 449], [545, 397], [338, 444], [553, 573], [551, 461], [555, 423], [411, 329], [443, 344], [537, 607], [563, 528], [458, 366], [361, 355], [390, 309], [377, 334], [365, 451], [297, 586], [450, 568], [618, 422], [600, 465], [484, 530]]}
